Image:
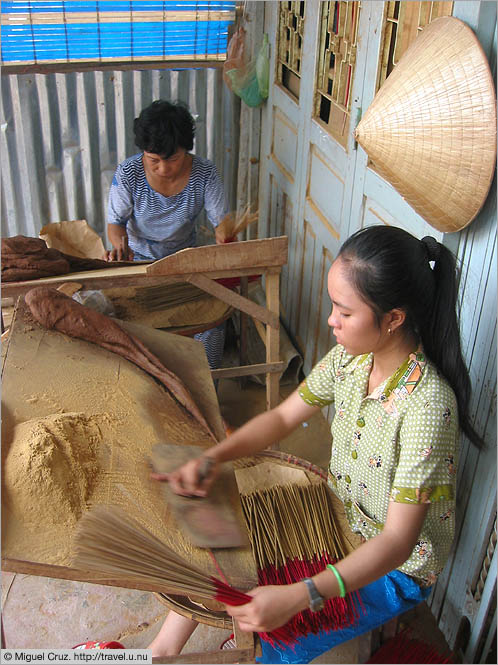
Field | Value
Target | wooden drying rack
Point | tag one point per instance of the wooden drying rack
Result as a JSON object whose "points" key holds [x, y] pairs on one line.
{"points": [[201, 266]]}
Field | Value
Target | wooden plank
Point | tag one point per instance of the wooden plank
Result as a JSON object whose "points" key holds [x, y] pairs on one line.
{"points": [[65, 573], [108, 279], [221, 656], [117, 276], [248, 370], [110, 64], [247, 254], [233, 298], [243, 639]]}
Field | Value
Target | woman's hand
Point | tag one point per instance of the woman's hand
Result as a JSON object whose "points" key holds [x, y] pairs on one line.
{"points": [[271, 607], [193, 478], [221, 237], [259, 433], [118, 254], [119, 241]]}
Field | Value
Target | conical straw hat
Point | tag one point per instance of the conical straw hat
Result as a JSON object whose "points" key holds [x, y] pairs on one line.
{"points": [[431, 129]]}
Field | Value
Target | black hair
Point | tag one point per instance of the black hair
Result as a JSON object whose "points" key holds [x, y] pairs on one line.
{"points": [[391, 269], [163, 127]]}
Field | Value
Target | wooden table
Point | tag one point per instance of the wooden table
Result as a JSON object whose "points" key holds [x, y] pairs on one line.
{"points": [[32, 392], [202, 266]]}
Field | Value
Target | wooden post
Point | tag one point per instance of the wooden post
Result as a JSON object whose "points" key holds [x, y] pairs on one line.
{"points": [[272, 279], [244, 640], [243, 331]]}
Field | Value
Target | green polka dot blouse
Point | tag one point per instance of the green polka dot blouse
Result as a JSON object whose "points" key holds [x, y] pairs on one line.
{"points": [[398, 443]]}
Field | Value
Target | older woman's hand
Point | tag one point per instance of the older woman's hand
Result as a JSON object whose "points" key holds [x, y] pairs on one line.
{"points": [[118, 255], [119, 240]]}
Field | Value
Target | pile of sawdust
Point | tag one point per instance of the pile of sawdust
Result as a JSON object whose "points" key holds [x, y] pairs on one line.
{"points": [[51, 468]]}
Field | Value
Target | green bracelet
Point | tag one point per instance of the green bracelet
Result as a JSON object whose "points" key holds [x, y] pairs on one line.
{"points": [[340, 581]]}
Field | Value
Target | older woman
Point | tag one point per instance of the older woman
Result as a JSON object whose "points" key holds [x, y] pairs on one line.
{"points": [[156, 196]]}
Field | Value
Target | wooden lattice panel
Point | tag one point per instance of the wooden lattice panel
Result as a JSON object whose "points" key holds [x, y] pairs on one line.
{"points": [[478, 586], [403, 21], [336, 65], [290, 45]]}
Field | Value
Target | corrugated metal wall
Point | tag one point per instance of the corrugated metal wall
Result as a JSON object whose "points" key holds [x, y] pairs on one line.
{"points": [[62, 136]]}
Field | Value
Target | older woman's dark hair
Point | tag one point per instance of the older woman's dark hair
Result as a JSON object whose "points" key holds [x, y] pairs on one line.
{"points": [[391, 269], [164, 127]]}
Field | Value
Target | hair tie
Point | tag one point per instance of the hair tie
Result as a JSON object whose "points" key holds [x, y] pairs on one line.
{"points": [[432, 248]]}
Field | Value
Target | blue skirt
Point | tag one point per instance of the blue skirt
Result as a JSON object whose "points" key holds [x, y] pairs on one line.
{"points": [[393, 594]]}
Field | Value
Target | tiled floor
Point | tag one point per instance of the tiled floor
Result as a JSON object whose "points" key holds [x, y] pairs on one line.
{"points": [[47, 613]]}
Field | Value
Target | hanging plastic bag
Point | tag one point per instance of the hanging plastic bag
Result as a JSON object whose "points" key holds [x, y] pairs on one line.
{"points": [[249, 79], [263, 67]]}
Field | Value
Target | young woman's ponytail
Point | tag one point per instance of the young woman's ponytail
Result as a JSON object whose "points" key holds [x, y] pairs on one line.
{"points": [[392, 269], [441, 338]]}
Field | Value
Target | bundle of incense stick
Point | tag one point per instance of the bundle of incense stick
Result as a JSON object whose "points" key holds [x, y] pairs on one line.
{"points": [[153, 298], [235, 222], [293, 535], [109, 542]]}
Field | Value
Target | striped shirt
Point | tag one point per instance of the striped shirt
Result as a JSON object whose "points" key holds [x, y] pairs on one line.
{"points": [[159, 225]]}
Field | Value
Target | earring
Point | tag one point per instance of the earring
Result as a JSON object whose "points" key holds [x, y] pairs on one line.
{"points": [[389, 331]]}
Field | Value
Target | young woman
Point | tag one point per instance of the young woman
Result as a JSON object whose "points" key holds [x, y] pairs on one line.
{"points": [[401, 392], [156, 196]]}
